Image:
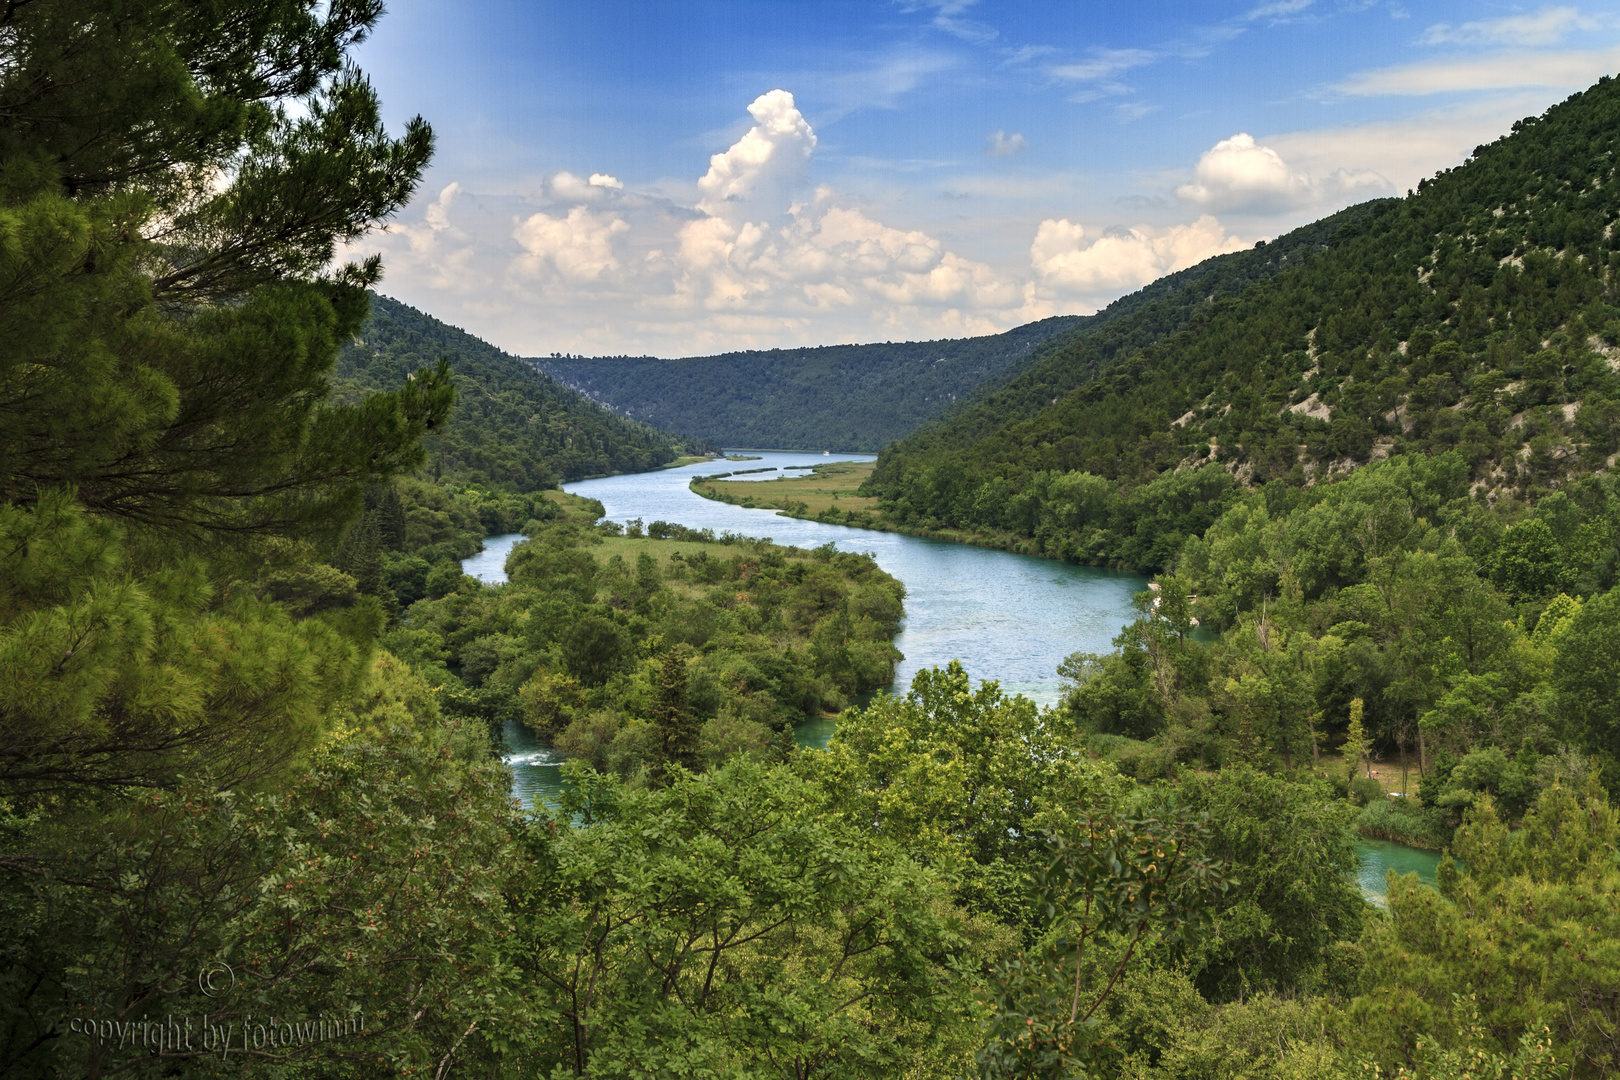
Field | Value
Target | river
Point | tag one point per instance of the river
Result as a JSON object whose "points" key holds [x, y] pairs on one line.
{"points": [[1009, 617]]}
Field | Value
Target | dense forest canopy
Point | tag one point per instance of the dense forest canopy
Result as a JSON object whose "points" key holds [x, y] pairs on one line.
{"points": [[514, 427]]}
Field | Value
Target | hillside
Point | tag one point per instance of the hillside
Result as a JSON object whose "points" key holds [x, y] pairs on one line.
{"points": [[512, 426], [836, 397], [861, 397], [1475, 315]]}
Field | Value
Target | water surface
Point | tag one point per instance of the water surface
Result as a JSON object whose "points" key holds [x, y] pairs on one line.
{"points": [[489, 565], [1380, 856], [1007, 617]]}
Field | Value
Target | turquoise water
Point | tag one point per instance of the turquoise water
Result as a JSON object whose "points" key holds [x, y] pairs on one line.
{"points": [[1007, 617], [1378, 857], [536, 767]]}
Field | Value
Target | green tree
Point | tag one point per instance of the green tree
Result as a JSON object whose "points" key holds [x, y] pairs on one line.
{"points": [[594, 648], [960, 776], [1588, 658], [1529, 562], [731, 923], [121, 677], [1356, 744], [677, 725], [167, 348], [1288, 850], [363, 889], [1102, 885]]}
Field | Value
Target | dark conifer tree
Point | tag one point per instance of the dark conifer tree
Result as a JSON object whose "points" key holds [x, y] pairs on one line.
{"points": [[671, 713]]}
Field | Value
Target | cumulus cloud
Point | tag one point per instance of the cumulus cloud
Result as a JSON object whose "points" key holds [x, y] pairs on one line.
{"points": [[579, 247], [1240, 174], [1119, 261], [758, 174], [565, 187], [753, 250], [1548, 26], [440, 251], [1000, 144], [757, 261], [757, 258], [437, 214]]}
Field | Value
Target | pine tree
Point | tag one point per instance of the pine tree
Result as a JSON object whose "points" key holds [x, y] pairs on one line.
{"points": [[383, 500], [168, 357], [164, 363], [359, 554], [674, 718]]}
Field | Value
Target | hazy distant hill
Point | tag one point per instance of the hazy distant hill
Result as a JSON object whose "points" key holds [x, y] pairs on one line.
{"points": [[512, 425], [837, 397]]}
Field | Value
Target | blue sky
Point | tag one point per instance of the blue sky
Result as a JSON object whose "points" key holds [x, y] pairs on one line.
{"points": [[693, 177]]}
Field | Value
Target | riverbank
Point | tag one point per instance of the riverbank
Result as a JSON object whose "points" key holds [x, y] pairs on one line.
{"points": [[831, 496]]}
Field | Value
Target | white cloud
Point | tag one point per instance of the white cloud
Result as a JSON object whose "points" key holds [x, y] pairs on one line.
{"points": [[440, 252], [1548, 26], [565, 187], [948, 17], [437, 214], [752, 257], [758, 174], [580, 246], [1280, 9], [1000, 144], [1405, 150], [747, 266], [1240, 174], [1568, 70], [882, 84], [1103, 64], [1118, 262]]}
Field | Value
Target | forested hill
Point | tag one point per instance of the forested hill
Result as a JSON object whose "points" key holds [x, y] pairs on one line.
{"points": [[1123, 329], [836, 397], [512, 426], [1477, 314]]}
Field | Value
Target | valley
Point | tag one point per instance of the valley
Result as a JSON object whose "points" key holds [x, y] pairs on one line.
{"points": [[1216, 686]]}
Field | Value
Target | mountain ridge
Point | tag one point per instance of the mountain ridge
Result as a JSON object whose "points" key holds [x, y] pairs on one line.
{"points": [[512, 426], [827, 397]]}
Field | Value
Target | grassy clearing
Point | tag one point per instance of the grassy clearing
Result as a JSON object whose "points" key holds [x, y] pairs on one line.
{"points": [[688, 459], [830, 486], [1387, 773], [630, 547]]}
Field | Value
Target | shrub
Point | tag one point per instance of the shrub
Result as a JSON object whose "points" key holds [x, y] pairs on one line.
{"points": [[1406, 821]]}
